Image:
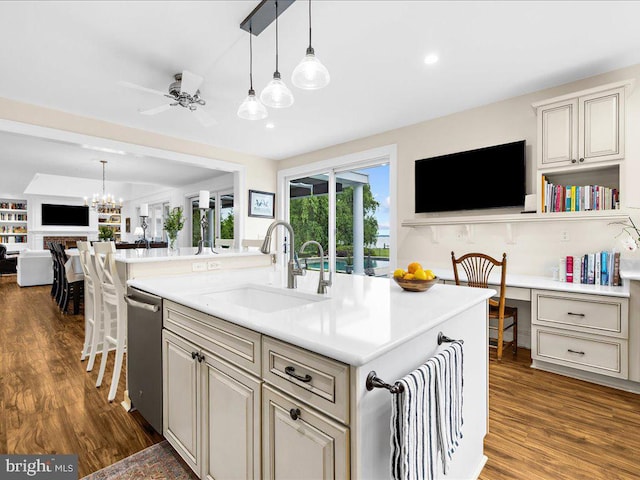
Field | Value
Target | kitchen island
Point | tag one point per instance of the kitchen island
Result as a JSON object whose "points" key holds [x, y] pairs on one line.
{"points": [[265, 382]]}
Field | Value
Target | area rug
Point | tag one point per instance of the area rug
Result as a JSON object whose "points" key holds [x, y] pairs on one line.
{"points": [[158, 462]]}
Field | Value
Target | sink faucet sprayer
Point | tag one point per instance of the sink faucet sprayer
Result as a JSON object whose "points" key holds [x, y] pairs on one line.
{"points": [[293, 267], [322, 283]]}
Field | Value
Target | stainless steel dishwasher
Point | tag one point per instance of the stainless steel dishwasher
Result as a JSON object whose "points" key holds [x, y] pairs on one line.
{"points": [[144, 354]]}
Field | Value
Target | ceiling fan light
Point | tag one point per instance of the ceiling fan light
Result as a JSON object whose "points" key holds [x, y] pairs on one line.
{"points": [[276, 94], [310, 74], [251, 108]]}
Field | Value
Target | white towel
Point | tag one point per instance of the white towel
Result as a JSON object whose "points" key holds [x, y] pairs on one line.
{"points": [[426, 419]]}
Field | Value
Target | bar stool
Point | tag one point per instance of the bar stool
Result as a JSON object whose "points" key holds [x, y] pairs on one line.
{"points": [[114, 313], [93, 304]]}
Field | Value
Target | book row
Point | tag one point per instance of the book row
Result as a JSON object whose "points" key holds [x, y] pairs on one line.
{"points": [[573, 198], [13, 217], [600, 268]]}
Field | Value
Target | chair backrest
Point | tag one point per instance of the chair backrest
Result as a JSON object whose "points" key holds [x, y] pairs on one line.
{"points": [[477, 268], [85, 260], [3, 252], [105, 265]]}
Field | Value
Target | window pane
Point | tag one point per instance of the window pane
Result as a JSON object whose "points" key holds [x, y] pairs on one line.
{"points": [[196, 215], [226, 215], [309, 215], [362, 221]]}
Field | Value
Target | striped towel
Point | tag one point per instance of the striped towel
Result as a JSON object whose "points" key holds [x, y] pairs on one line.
{"points": [[426, 419]]}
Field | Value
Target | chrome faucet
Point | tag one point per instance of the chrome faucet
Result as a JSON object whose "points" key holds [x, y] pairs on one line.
{"points": [[322, 283], [293, 267]]}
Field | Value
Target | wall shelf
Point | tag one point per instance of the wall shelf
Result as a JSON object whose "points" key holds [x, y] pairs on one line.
{"points": [[610, 215]]}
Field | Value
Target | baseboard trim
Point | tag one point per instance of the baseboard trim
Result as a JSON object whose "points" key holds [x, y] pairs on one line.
{"points": [[480, 467], [618, 383]]}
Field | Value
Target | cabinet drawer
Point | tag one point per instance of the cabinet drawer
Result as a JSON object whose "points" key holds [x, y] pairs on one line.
{"points": [[238, 345], [582, 313], [312, 378], [607, 356]]}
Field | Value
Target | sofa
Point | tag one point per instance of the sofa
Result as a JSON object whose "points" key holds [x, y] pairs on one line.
{"points": [[35, 267]]}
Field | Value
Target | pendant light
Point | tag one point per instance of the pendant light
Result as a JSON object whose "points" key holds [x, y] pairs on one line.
{"points": [[251, 108], [310, 74], [276, 94]]}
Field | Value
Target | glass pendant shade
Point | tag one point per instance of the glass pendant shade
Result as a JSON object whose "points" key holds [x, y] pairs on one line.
{"points": [[276, 94], [310, 74], [251, 108]]}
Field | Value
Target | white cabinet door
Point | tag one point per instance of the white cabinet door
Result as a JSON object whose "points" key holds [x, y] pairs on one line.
{"points": [[298, 443], [602, 126], [231, 415], [558, 133], [181, 417]]}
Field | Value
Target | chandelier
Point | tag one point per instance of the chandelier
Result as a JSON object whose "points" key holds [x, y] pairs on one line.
{"points": [[104, 202]]}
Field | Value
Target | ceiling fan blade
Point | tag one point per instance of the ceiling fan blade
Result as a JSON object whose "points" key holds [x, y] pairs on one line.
{"points": [[143, 89], [153, 111], [204, 118], [190, 83]]}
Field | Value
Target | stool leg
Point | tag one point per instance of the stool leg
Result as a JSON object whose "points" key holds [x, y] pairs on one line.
{"points": [[98, 328], [105, 345], [115, 378]]}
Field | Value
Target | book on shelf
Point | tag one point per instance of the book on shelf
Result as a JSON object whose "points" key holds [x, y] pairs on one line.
{"points": [[599, 268], [577, 198]]}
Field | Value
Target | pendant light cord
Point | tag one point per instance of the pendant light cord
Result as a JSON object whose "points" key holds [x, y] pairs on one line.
{"points": [[277, 38], [250, 59], [309, 23]]}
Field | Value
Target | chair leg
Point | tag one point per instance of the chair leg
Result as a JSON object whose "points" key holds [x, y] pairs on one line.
{"points": [[500, 336], [105, 344], [115, 378], [515, 333]]}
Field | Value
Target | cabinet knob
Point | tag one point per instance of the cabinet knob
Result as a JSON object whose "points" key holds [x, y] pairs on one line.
{"points": [[581, 160], [573, 160], [294, 413], [194, 355]]}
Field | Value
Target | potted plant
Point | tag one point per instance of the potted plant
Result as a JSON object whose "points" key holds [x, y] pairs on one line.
{"points": [[105, 234], [173, 224]]}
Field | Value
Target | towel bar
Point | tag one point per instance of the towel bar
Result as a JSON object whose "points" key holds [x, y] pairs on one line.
{"points": [[442, 338], [373, 381]]}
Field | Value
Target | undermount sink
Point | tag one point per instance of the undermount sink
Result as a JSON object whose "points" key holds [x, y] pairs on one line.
{"points": [[261, 298]]}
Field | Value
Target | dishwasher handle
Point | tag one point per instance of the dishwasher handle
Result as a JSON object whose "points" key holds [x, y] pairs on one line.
{"points": [[137, 304]]}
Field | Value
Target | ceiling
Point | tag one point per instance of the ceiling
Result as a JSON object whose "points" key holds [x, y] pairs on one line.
{"points": [[70, 56]]}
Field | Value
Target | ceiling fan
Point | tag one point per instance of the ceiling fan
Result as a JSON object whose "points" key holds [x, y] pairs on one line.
{"points": [[184, 92]]}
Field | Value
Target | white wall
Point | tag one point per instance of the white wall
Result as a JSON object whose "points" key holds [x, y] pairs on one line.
{"points": [[537, 246]]}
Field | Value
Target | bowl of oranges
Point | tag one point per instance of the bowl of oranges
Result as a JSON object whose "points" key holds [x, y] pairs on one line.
{"points": [[415, 278]]}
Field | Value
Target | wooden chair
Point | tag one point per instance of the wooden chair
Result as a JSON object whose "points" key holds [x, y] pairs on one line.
{"points": [[477, 267], [93, 305]]}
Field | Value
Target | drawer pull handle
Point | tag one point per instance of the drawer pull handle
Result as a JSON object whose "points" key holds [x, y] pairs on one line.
{"points": [[576, 314], [292, 372], [574, 351], [295, 413]]}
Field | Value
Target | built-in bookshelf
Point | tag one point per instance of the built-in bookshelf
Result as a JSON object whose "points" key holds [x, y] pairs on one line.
{"points": [[112, 218], [577, 198], [13, 223]]}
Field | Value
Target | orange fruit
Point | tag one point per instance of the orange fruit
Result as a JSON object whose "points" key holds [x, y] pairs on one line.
{"points": [[413, 266]]}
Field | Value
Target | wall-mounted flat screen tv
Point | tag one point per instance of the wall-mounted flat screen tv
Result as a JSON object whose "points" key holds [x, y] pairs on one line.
{"points": [[65, 215], [487, 177]]}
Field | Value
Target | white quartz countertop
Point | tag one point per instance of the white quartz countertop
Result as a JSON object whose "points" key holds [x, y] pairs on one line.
{"points": [[143, 255], [544, 283], [358, 320]]}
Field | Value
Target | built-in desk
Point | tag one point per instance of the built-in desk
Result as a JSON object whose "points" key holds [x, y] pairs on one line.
{"points": [[591, 332]]}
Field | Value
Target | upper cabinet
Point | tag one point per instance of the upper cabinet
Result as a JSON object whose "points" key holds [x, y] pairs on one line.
{"points": [[586, 127]]}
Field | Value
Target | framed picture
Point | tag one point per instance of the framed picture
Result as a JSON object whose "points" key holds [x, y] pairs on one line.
{"points": [[261, 204], [127, 225]]}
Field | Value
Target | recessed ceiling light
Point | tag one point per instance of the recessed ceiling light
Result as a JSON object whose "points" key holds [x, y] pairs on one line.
{"points": [[270, 125], [431, 59]]}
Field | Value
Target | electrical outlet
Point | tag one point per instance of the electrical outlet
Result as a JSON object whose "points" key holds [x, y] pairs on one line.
{"points": [[564, 236], [213, 265], [199, 267]]}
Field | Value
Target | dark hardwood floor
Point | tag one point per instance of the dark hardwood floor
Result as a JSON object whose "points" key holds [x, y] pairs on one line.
{"points": [[542, 426], [48, 402]]}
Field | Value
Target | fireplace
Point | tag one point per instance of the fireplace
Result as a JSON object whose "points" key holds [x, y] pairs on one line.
{"points": [[68, 242]]}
